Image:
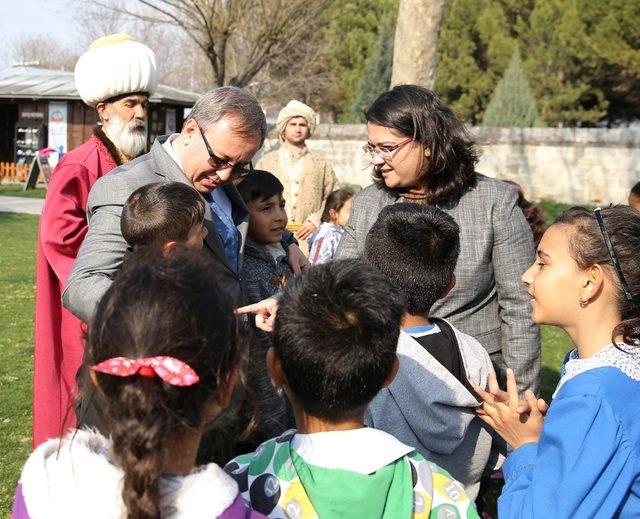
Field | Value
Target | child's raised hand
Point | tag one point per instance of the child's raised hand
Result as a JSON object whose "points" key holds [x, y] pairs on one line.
{"points": [[524, 406], [517, 429], [503, 396]]}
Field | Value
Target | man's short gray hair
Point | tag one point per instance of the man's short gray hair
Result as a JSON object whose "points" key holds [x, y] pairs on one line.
{"points": [[234, 102]]}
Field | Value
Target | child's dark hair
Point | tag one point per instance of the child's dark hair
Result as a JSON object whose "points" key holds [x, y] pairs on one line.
{"points": [[416, 247], [158, 213], [532, 212], [421, 115], [259, 185], [588, 247], [635, 190], [336, 335], [159, 305], [335, 201]]}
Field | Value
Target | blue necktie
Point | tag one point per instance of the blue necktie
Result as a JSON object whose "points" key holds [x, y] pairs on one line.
{"points": [[228, 233]]}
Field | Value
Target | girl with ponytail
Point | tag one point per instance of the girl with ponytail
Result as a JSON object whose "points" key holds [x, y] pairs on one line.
{"points": [[164, 351], [581, 458]]}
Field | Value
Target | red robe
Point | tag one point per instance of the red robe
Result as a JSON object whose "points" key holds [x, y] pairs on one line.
{"points": [[58, 344]]}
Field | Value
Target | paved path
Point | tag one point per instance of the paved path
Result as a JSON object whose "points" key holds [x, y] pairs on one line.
{"points": [[18, 204]]}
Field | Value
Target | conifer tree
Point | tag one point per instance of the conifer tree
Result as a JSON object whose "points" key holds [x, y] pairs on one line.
{"points": [[377, 72], [512, 104]]}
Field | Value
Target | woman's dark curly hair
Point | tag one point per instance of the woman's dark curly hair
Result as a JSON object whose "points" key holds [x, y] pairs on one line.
{"points": [[416, 112], [533, 213], [160, 305]]}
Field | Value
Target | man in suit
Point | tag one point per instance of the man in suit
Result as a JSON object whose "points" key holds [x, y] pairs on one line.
{"points": [[220, 136], [218, 140]]}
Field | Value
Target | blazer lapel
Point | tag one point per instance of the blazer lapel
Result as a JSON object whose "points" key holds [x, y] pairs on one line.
{"points": [[240, 214], [164, 165]]}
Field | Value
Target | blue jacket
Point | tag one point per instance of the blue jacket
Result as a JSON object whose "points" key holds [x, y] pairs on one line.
{"points": [[587, 461]]}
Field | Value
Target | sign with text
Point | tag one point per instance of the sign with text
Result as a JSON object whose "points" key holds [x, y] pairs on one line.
{"points": [[40, 168], [58, 126], [170, 124]]}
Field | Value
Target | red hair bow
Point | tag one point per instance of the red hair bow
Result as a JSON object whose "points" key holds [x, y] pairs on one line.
{"points": [[173, 371]]}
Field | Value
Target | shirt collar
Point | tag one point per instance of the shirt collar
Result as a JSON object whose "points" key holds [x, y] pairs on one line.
{"points": [[361, 450], [168, 147]]}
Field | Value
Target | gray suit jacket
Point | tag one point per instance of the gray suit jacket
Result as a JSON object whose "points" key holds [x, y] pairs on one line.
{"points": [[103, 249], [489, 301]]}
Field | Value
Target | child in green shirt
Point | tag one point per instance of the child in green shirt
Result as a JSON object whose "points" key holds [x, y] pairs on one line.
{"points": [[334, 348]]}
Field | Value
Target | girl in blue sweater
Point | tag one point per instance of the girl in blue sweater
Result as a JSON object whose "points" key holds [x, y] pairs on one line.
{"points": [[583, 458]]}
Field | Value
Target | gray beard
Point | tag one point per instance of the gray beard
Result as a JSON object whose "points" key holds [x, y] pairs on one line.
{"points": [[130, 138]]}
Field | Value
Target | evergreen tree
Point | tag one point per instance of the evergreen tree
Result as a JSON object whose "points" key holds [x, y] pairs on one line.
{"points": [[582, 57], [512, 104], [353, 35], [377, 72], [476, 42]]}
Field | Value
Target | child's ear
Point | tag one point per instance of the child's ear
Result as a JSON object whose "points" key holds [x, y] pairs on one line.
{"points": [[166, 248], [333, 215], [274, 368], [592, 284], [452, 284], [94, 378], [392, 374]]}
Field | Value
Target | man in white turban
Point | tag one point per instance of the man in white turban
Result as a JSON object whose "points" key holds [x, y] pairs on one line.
{"points": [[115, 76], [307, 177]]}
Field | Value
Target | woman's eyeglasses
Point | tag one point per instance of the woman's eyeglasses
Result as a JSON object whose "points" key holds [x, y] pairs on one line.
{"points": [[384, 152], [239, 170]]}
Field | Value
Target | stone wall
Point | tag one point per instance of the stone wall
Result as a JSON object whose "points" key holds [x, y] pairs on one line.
{"points": [[573, 165]]}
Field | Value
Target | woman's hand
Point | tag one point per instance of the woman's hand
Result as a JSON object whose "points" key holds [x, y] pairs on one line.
{"points": [[297, 260], [265, 312], [516, 428], [305, 231]]}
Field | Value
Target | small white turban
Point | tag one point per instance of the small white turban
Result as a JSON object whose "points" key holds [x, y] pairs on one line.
{"points": [[295, 109], [115, 65]]}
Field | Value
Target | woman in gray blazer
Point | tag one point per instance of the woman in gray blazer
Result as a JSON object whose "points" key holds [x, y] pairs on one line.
{"points": [[421, 153]]}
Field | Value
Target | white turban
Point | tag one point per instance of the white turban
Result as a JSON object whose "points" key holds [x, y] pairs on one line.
{"points": [[295, 109], [115, 65]]}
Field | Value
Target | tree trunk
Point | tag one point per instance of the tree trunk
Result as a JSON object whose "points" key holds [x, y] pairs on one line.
{"points": [[416, 43]]}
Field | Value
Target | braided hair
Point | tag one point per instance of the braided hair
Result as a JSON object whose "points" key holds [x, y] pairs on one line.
{"points": [[170, 305]]}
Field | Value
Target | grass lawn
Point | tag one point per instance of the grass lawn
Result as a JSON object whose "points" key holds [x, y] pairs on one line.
{"points": [[18, 234], [18, 190], [17, 274]]}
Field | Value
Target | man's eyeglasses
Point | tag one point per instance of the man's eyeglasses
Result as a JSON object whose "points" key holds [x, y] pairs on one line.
{"points": [[384, 152], [238, 170]]}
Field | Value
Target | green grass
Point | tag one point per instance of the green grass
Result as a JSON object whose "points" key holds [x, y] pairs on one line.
{"points": [[18, 190], [18, 234], [555, 345], [17, 274], [553, 209]]}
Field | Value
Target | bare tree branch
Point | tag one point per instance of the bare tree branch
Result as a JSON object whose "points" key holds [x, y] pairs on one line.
{"points": [[41, 51], [238, 37]]}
